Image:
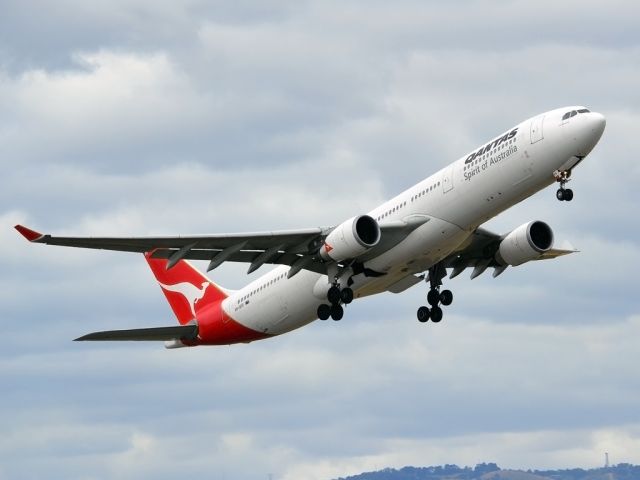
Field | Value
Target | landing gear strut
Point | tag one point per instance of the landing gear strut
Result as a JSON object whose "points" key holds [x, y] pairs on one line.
{"points": [[562, 177], [435, 297], [335, 296]]}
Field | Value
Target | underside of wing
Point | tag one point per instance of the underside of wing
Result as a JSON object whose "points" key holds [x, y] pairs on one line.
{"points": [[556, 252], [288, 247], [485, 249], [295, 241], [299, 249]]}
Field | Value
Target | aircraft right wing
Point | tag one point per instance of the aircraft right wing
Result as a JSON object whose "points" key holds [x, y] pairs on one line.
{"points": [[295, 248], [286, 247]]}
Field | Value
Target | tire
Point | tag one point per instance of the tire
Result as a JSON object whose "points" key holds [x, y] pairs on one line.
{"points": [[436, 314], [333, 295], [324, 311], [336, 312], [423, 314], [560, 194], [568, 194], [433, 297], [446, 297], [346, 295]]}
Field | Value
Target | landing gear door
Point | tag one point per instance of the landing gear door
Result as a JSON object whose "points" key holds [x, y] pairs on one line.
{"points": [[447, 179], [536, 129]]}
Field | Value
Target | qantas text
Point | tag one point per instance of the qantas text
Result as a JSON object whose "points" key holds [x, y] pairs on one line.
{"points": [[491, 160], [487, 148]]}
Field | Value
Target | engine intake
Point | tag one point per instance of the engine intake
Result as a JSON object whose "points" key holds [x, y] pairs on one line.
{"points": [[351, 239], [525, 243]]}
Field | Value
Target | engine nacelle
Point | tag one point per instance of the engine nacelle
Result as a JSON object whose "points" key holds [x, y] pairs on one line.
{"points": [[525, 243], [351, 239]]}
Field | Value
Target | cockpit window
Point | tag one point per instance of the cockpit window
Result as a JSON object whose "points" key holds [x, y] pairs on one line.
{"points": [[573, 113]]}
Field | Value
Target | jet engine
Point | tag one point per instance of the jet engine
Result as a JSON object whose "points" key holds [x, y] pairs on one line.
{"points": [[351, 239], [525, 243]]}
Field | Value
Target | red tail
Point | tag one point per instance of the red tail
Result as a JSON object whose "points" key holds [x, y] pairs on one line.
{"points": [[187, 290]]}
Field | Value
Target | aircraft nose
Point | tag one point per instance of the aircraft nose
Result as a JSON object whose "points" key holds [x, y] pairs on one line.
{"points": [[598, 122], [590, 132]]}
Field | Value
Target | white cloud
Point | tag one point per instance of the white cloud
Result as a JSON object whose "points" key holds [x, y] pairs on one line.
{"points": [[109, 104]]}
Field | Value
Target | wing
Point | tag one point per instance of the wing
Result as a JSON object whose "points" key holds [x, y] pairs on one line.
{"points": [[295, 248], [283, 247], [479, 253]]}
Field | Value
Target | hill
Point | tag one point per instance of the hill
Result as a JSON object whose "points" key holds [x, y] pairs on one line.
{"points": [[491, 471]]}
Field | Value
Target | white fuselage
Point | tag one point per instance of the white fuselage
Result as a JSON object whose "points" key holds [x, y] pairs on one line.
{"points": [[456, 200]]}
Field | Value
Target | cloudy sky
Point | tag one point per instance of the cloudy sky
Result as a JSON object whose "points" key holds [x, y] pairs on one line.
{"points": [[163, 117]]}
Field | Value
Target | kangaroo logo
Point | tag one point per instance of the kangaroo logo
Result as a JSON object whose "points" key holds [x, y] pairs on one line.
{"points": [[191, 293]]}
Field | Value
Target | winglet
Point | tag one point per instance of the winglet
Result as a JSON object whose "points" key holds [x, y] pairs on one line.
{"points": [[29, 234]]}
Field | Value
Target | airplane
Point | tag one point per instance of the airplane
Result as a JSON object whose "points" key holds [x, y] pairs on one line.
{"points": [[419, 235]]}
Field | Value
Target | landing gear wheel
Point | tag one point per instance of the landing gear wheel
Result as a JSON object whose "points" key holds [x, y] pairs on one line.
{"points": [[436, 314], [562, 177], [324, 311], [433, 297], [446, 297], [336, 312], [333, 295], [568, 195], [346, 295], [423, 314], [436, 297]]}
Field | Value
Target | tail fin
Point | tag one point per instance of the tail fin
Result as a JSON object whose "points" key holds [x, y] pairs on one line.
{"points": [[187, 290]]}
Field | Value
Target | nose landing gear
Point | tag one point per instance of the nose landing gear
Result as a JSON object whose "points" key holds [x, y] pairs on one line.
{"points": [[562, 177]]}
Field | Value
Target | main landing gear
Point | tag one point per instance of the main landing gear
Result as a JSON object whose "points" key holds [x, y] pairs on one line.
{"points": [[562, 177], [435, 297], [335, 296]]}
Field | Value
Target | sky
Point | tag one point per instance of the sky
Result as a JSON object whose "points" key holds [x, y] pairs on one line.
{"points": [[138, 117]]}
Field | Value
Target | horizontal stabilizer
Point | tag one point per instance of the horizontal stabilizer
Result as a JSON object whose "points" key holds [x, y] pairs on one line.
{"points": [[182, 332]]}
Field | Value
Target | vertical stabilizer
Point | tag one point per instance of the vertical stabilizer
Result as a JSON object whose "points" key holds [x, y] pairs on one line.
{"points": [[187, 290]]}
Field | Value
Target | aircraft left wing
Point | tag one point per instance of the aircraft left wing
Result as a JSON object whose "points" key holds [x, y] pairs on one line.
{"points": [[480, 251]]}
